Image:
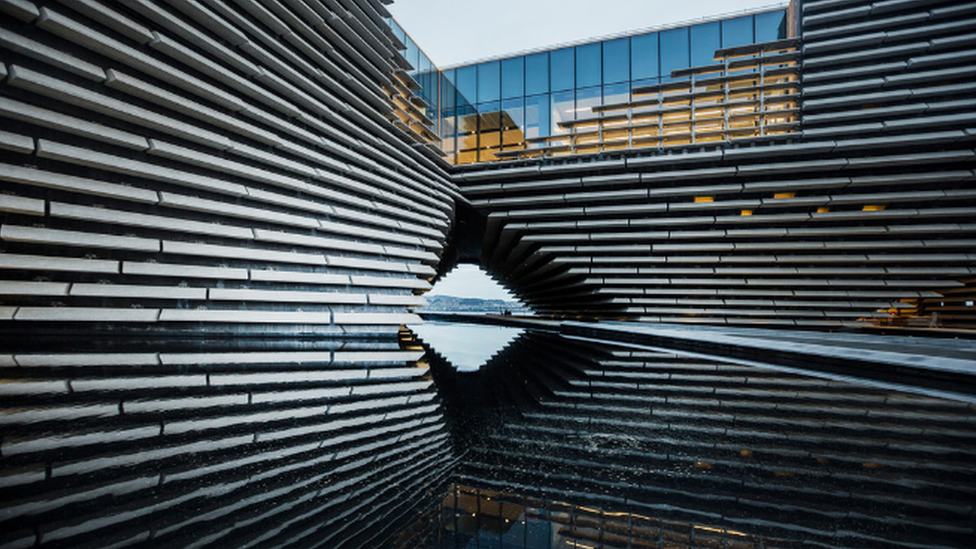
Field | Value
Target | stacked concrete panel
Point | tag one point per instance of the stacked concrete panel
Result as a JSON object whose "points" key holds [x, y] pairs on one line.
{"points": [[201, 165], [864, 216]]}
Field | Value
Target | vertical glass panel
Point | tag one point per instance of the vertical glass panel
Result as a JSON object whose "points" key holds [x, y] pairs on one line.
{"points": [[512, 77], [644, 56], [737, 32], [489, 113], [428, 81], [398, 31], [413, 56], [537, 116], [448, 131], [513, 122], [467, 84], [537, 73], [562, 69], [674, 51], [586, 99], [563, 107], [770, 26], [637, 84], [489, 81], [589, 61], [615, 94], [616, 61], [489, 130], [705, 39], [448, 91], [467, 135]]}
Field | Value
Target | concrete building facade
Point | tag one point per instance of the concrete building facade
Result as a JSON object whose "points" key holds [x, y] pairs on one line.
{"points": [[208, 166], [277, 167], [845, 199]]}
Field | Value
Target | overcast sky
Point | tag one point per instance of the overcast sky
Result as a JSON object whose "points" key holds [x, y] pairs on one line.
{"points": [[457, 31]]}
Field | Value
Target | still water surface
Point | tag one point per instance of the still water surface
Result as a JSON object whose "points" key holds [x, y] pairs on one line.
{"points": [[553, 443]]}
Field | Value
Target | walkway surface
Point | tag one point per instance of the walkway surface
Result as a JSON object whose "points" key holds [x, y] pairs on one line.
{"points": [[932, 358]]}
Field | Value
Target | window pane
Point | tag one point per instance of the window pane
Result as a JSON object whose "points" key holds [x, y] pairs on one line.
{"points": [[636, 85], [537, 73], [489, 130], [737, 32], [512, 80], [413, 56], [588, 65], [489, 82], [586, 99], [615, 94], [537, 116], [447, 90], [770, 26], [428, 81], [467, 129], [616, 61], [674, 50], [467, 84], [563, 105], [562, 69], [448, 130], [644, 56], [705, 39], [398, 31], [513, 122]]}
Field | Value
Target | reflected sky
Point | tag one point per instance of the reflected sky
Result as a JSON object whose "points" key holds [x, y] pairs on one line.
{"points": [[466, 346]]}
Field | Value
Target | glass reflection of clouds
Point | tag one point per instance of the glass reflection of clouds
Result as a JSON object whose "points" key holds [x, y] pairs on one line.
{"points": [[556, 85]]}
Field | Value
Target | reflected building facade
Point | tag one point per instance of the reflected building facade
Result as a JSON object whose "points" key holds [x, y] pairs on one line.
{"points": [[574, 442]]}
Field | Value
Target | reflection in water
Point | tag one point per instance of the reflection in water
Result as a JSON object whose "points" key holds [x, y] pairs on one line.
{"points": [[605, 446], [555, 443], [322, 445], [466, 346]]}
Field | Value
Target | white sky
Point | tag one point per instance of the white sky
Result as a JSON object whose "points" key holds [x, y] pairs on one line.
{"points": [[470, 281], [458, 31]]}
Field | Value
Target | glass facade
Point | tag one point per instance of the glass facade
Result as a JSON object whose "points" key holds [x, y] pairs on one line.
{"points": [[514, 103]]}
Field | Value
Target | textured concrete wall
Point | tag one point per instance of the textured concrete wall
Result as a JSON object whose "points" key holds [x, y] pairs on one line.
{"points": [[866, 215], [198, 165], [201, 165]]}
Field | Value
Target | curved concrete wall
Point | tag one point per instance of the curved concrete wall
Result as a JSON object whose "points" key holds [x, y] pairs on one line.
{"points": [[865, 215], [201, 165]]}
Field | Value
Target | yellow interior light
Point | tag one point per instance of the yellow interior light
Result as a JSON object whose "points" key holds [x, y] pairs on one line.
{"points": [[874, 208], [704, 199], [784, 195], [822, 210], [746, 212]]}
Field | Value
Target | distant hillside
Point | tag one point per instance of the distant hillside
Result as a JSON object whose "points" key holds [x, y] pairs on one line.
{"points": [[448, 303]]}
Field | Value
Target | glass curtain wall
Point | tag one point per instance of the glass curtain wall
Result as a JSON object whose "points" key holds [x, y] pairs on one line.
{"points": [[425, 73], [514, 103]]}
